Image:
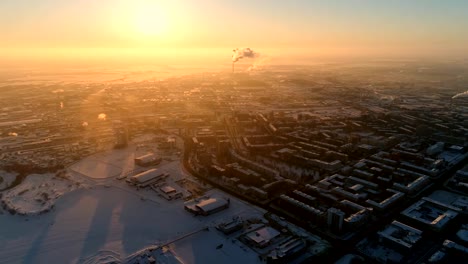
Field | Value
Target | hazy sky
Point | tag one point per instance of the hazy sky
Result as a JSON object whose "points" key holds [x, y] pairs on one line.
{"points": [[170, 28]]}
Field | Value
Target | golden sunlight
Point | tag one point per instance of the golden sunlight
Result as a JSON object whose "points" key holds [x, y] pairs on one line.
{"points": [[151, 20]]}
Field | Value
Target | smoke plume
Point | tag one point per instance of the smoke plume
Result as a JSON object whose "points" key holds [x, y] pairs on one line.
{"points": [[13, 134], [243, 53], [85, 124], [259, 63], [464, 94]]}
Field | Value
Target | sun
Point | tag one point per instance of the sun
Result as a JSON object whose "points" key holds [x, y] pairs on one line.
{"points": [[145, 22], [151, 20]]}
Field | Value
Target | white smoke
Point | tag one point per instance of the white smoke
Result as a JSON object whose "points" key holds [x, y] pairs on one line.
{"points": [[13, 134], [464, 94], [259, 63], [243, 53], [85, 124]]}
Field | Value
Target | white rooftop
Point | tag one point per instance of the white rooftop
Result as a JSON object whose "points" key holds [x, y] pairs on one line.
{"points": [[263, 235]]}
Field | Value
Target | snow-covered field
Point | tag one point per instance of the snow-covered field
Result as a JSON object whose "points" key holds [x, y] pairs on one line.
{"points": [[89, 220], [111, 163], [97, 169], [7, 179], [99, 219], [106, 164], [38, 193], [203, 248]]}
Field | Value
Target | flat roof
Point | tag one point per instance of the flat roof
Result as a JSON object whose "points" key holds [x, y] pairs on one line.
{"points": [[147, 157], [168, 189], [211, 204], [146, 175], [402, 234], [432, 212], [263, 235]]}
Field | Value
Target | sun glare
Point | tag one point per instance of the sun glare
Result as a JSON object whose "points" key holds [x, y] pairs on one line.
{"points": [[151, 20]]}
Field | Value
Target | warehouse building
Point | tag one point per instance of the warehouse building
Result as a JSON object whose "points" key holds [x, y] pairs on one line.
{"points": [[207, 206], [147, 177]]}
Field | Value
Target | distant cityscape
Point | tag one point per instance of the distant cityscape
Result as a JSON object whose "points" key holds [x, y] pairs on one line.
{"points": [[288, 164]]}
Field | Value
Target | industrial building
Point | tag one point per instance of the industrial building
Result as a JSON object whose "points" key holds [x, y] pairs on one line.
{"points": [[147, 177], [287, 250], [207, 206], [230, 227], [262, 237], [149, 159], [169, 192]]}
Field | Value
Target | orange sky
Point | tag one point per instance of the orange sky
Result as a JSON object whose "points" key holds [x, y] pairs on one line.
{"points": [[189, 31]]}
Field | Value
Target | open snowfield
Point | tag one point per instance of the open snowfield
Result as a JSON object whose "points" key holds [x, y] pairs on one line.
{"points": [[97, 169], [87, 221], [38, 193], [96, 218], [202, 248], [106, 164], [115, 162], [7, 179]]}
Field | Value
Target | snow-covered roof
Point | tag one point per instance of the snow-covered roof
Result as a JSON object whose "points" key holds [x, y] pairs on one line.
{"points": [[146, 175], [402, 234], [168, 189], [263, 235], [147, 158], [463, 233], [211, 204]]}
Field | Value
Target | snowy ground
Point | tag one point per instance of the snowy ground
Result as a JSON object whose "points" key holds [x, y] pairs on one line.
{"points": [[89, 220], [6, 179], [38, 193], [109, 221], [106, 164], [202, 248], [115, 162]]}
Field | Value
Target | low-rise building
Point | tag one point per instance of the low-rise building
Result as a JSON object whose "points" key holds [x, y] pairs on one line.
{"points": [[207, 206], [148, 160], [387, 202], [400, 237], [147, 177], [262, 237], [431, 213], [286, 250]]}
